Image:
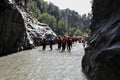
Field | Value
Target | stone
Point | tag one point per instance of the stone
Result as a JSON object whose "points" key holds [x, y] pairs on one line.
{"points": [[12, 28], [101, 59]]}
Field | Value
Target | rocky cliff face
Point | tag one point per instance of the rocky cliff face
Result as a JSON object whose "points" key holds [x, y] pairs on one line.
{"points": [[12, 28], [36, 31], [18, 30], [102, 56]]}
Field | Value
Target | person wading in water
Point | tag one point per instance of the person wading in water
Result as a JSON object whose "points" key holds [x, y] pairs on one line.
{"points": [[69, 43], [51, 43], [59, 41], [64, 44], [44, 43]]}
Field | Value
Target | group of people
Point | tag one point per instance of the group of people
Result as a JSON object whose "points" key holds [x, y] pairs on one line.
{"points": [[44, 43], [63, 43]]}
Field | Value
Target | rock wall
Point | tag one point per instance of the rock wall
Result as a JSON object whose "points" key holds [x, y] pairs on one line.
{"points": [[18, 30], [12, 28], [36, 31], [102, 56]]}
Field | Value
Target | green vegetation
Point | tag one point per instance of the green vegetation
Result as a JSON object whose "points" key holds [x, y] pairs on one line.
{"points": [[57, 19]]}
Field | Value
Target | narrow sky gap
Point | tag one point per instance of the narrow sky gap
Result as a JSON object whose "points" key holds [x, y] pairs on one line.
{"points": [[80, 6]]}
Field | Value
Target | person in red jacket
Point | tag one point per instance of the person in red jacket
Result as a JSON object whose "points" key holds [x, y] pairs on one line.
{"points": [[59, 41]]}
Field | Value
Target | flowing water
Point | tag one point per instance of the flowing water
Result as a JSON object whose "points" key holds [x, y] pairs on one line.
{"points": [[36, 64]]}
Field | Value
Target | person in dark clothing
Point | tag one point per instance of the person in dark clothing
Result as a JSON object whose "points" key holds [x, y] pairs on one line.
{"points": [[69, 44], [51, 43], [64, 44], [71, 41], [59, 41], [83, 41], [44, 44]]}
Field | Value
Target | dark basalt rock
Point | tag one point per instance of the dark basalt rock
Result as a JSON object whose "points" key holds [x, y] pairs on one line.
{"points": [[12, 28], [102, 56]]}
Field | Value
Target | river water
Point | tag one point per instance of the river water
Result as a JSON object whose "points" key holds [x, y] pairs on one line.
{"points": [[36, 64]]}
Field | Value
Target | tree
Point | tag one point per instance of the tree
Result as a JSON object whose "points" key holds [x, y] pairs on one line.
{"points": [[53, 23], [34, 11], [61, 27], [55, 18], [49, 19], [78, 32]]}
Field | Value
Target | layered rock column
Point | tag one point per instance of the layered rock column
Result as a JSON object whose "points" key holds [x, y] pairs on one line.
{"points": [[102, 57]]}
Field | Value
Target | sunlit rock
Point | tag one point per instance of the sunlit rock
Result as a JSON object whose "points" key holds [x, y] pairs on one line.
{"points": [[36, 30]]}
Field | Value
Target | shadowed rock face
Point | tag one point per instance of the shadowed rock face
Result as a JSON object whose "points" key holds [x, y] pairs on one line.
{"points": [[18, 30], [12, 28], [102, 57]]}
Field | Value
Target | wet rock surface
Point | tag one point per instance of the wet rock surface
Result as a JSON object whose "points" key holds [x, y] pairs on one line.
{"points": [[12, 28], [101, 59], [36, 31], [18, 30], [37, 64]]}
